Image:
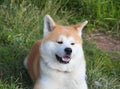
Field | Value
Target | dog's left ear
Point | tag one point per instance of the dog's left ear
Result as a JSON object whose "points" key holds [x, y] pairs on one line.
{"points": [[80, 26], [49, 24]]}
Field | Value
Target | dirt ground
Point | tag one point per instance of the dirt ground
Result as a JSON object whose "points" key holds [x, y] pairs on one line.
{"points": [[105, 42]]}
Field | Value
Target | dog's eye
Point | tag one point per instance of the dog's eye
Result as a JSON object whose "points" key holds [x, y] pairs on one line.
{"points": [[60, 42], [72, 43]]}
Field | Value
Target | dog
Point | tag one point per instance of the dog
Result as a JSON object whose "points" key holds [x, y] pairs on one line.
{"points": [[57, 61]]}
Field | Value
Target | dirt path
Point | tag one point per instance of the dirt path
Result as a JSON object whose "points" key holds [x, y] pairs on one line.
{"points": [[105, 42]]}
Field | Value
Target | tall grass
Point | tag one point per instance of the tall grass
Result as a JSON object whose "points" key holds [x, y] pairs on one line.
{"points": [[21, 24], [102, 14]]}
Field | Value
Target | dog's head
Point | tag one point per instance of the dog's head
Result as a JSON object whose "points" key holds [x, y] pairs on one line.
{"points": [[61, 44]]}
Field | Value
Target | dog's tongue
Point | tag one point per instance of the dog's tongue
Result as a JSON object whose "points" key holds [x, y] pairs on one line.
{"points": [[66, 58]]}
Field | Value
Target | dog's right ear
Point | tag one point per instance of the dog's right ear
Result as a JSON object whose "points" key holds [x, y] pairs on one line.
{"points": [[49, 24]]}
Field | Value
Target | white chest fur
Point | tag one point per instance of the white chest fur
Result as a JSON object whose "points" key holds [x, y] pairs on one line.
{"points": [[55, 79]]}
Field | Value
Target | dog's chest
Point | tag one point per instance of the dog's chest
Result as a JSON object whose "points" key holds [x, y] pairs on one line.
{"points": [[63, 81], [51, 79], [69, 82]]}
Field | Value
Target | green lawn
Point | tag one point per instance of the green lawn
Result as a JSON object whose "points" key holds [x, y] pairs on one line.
{"points": [[21, 24]]}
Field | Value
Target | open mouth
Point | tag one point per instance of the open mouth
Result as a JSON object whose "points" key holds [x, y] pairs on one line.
{"points": [[65, 59]]}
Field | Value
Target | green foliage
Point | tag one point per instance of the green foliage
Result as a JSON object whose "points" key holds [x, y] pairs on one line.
{"points": [[100, 13], [100, 68], [21, 24]]}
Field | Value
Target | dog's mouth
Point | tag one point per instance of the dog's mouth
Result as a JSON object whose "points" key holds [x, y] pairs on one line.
{"points": [[65, 59]]}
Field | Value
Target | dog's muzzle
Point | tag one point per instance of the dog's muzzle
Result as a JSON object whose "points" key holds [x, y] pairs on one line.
{"points": [[65, 59]]}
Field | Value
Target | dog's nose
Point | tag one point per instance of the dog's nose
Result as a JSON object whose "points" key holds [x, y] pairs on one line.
{"points": [[68, 51]]}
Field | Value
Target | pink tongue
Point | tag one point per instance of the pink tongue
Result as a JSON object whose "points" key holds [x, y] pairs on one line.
{"points": [[66, 58]]}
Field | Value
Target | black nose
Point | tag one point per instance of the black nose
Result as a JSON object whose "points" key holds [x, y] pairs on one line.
{"points": [[68, 51]]}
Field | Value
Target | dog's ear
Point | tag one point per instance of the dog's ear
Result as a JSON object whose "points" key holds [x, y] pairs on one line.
{"points": [[80, 26], [49, 24]]}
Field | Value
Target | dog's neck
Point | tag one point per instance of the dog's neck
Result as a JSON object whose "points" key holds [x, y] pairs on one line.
{"points": [[57, 70]]}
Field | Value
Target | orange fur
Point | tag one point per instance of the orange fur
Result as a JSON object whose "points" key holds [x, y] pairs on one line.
{"points": [[64, 30], [33, 59]]}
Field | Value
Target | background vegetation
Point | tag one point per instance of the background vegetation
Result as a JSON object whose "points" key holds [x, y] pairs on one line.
{"points": [[21, 24]]}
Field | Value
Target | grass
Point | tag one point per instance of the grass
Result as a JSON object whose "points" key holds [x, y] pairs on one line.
{"points": [[102, 14], [21, 24], [100, 68]]}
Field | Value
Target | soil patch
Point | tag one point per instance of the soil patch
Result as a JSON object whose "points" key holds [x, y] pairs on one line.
{"points": [[105, 42]]}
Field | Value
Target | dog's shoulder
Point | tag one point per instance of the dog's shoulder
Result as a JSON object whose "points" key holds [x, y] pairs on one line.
{"points": [[35, 51], [33, 61]]}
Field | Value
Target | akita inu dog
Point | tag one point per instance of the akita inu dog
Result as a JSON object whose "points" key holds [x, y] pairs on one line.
{"points": [[57, 61]]}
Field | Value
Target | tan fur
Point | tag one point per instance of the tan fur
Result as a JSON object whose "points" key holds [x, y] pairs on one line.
{"points": [[33, 59], [66, 30]]}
